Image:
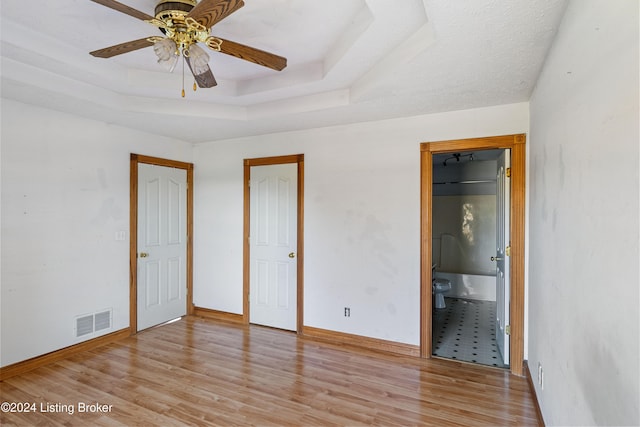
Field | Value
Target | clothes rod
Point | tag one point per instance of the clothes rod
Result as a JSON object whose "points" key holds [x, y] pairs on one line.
{"points": [[481, 181]]}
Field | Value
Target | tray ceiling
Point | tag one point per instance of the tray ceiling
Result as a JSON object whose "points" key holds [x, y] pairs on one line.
{"points": [[348, 61]]}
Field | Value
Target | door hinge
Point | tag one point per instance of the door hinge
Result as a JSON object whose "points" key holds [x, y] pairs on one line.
{"points": [[507, 330], [508, 172], [507, 251]]}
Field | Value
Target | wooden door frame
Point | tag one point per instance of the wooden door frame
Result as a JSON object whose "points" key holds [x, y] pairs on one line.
{"points": [[133, 233], [518, 175], [267, 161]]}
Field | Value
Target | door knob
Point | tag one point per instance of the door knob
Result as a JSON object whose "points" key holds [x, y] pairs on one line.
{"points": [[143, 254], [495, 258], [292, 255]]}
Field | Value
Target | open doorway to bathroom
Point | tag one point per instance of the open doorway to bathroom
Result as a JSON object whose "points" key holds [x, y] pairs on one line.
{"points": [[468, 315], [443, 249]]}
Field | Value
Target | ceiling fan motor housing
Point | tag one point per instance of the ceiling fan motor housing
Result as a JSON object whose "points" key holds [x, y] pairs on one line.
{"points": [[174, 12], [169, 8]]}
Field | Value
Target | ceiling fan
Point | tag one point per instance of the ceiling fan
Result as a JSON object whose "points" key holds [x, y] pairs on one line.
{"points": [[184, 24]]}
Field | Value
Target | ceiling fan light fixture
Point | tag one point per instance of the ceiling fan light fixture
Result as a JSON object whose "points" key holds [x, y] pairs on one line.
{"points": [[167, 53], [199, 59]]}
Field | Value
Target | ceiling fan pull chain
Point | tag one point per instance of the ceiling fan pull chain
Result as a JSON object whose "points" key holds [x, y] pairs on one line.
{"points": [[183, 74]]}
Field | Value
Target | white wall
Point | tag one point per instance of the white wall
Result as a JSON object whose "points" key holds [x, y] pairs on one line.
{"points": [[583, 265], [65, 193], [362, 216]]}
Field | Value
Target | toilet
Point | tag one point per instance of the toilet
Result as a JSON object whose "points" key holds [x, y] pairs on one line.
{"points": [[440, 286]]}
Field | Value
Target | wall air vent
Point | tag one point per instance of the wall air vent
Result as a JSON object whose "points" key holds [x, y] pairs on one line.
{"points": [[95, 322], [102, 320], [84, 325]]}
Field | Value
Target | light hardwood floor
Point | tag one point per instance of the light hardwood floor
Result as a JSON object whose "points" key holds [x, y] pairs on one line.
{"points": [[201, 372]]}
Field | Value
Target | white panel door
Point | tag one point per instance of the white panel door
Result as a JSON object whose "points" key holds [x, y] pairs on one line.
{"points": [[162, 244], [273, 245], [503, 274]]}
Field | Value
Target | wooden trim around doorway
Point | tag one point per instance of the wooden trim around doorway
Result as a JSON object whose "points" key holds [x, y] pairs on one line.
{"points": [[133, 232], [518, 173], [266, 161]]}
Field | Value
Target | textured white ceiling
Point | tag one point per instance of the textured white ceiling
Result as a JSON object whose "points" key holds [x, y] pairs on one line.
{"points": [[348, 61]]}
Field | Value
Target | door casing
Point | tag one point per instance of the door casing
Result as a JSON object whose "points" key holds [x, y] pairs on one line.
{"points": [[135, 159], [266, 161], [518, 191]]}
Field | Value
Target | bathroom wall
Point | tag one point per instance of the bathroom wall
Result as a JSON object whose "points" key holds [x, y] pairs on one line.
{"points": [[584, 327], [449, 180], [464, 231], [464, 218], [470, 286]]}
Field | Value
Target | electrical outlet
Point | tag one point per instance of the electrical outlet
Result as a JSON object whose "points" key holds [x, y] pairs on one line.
{"points": [[540, 376], [347, 312], [539, 372]]}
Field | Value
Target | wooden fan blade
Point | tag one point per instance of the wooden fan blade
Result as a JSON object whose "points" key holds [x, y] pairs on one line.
{"points": [[205, 79], [210, 12], [252, 54], [113, 4], [121, 48]]}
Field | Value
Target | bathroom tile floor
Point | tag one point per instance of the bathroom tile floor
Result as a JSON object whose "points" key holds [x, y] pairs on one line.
{"points": [[465, 330]]}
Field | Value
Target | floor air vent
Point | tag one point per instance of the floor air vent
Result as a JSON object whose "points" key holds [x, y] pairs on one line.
{"points": [[94, 322]]}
